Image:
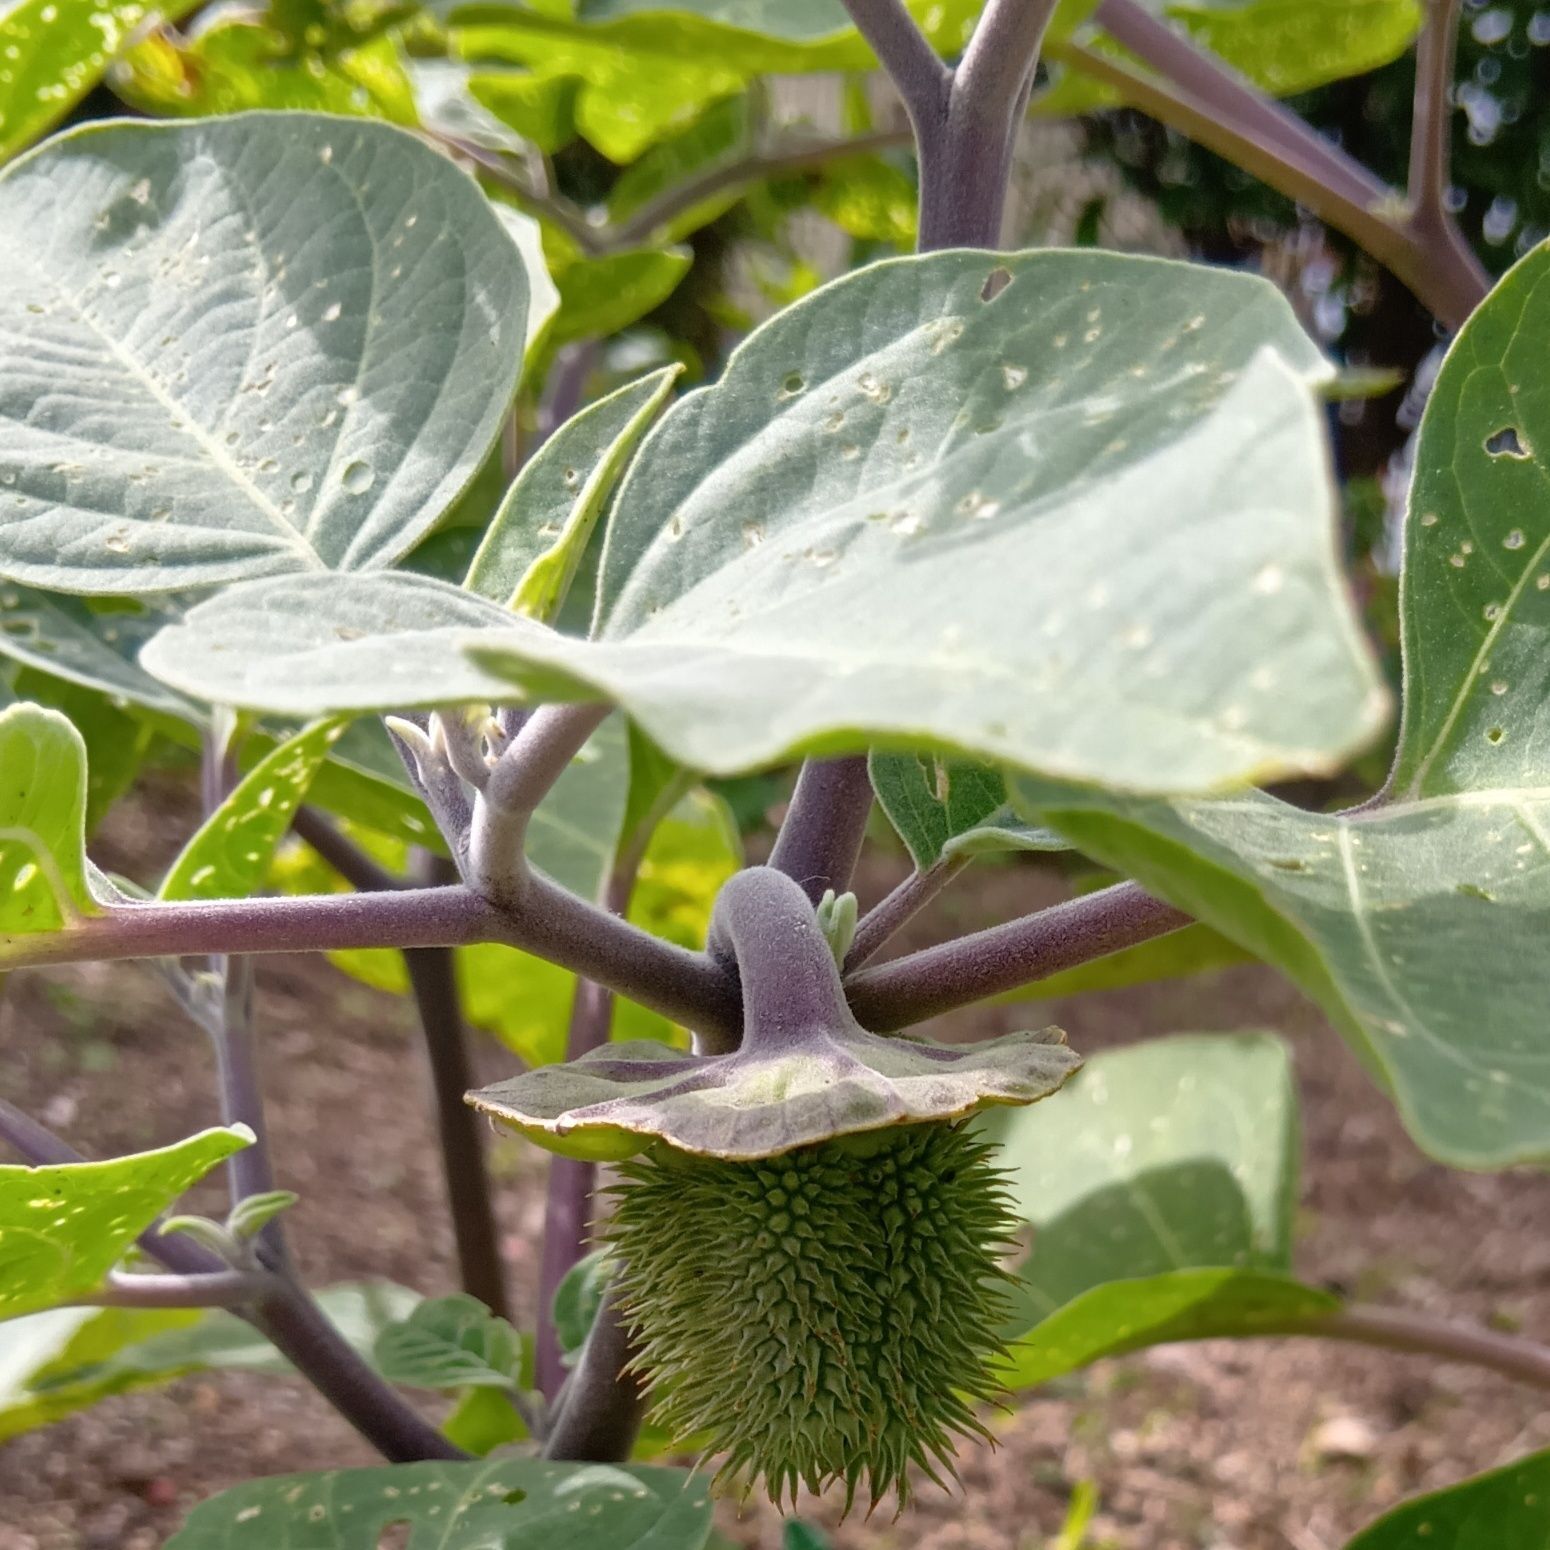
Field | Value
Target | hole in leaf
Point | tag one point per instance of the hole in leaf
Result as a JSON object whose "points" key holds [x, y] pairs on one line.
{"points": [[1506, 443], [514, 1498], [995, 282], [395, 1536], [1495, 735], [1473, 891], [793, 384]]}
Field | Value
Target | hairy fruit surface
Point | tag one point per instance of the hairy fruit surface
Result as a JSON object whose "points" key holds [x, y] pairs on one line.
{"points": [[829, 1314]]}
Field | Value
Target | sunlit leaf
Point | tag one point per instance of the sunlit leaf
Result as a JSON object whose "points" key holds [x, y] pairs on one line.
{"points": [[242, 347], [42, 822], [1416, 924], [228, 856], [535, 542], [63, 1229], [238, 66], [847, 540], [501, 1504], [53, 52]]}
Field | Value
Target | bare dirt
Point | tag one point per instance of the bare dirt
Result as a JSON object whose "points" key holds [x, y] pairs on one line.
{"points": [[1269, 1445]]}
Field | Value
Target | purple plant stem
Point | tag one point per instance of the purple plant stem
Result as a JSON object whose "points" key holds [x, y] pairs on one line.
{"points": [[820, 838], [568, 1208], [685, 986], [987, 963]]}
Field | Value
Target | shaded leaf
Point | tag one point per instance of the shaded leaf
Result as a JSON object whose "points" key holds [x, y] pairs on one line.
{"points": [[1123, 1316], [843, 542], [535, 541], [229, 855], [1173, 1154], [1506, 1509], [63, 1229], [506, 1504], [577, 1299], [951, 807], [234, 304], [451, 1343]]}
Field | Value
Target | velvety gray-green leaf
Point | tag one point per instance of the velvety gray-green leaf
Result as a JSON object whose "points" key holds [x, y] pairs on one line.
{"points": [[1416, 927], [1507, 1509], [951, 807], [535, 541], [500, 1504], [1170, 1155], [976, 569], [63, 1229], [96, 646], [244, 346]]}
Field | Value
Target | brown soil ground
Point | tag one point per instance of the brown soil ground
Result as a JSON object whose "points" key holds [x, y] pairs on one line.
{"points": [[1271, 1445]]}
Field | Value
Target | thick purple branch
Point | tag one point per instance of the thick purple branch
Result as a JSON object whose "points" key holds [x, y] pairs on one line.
{"points": [[820, 838], [685, 986], [940, 979]]}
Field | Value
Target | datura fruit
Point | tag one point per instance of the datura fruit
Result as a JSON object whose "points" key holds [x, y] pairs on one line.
{"points": [[808, 1234]]}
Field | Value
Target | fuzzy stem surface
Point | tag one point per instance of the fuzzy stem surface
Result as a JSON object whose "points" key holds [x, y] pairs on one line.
{"points": [[986, 963]]}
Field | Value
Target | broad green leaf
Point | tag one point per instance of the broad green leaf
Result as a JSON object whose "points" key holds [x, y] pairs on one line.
{"points": [[483, 1420], [870, 198], [1196, 949], [502, 1504], [238, 66], [1417, 924], [844, 542], [1284, 46], [1415, 927], [42, 822], [535, 542], [229, 855], [648, 70], [951, 807], [53, 52], [1507, 1509], [723, 134], [451, 1343], [577, 1299], [539, 107], [1170, 1155], [276, 343], [56, 1363], [604, 295], [95, 645], [116, 741], [1123, 1316], [63, 1229], [1475, 594]]}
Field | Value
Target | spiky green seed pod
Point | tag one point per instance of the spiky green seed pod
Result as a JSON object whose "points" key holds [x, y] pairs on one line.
{"points": [[828, 1314]]}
